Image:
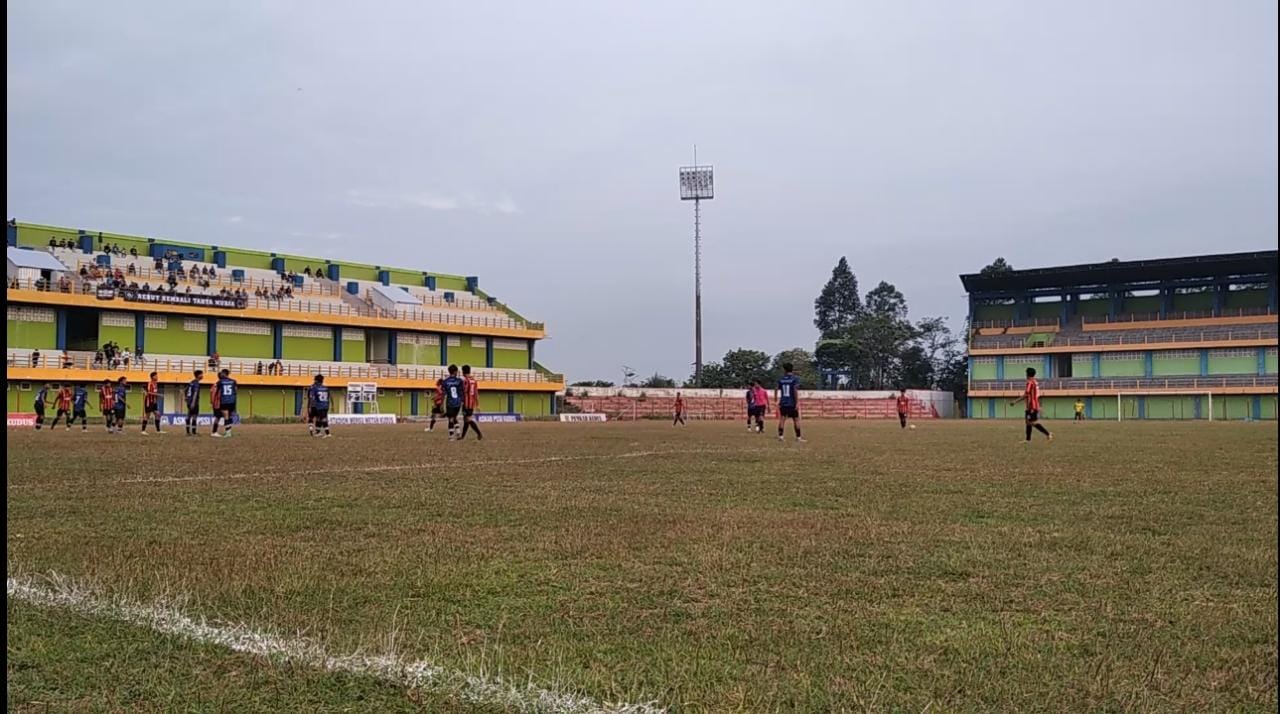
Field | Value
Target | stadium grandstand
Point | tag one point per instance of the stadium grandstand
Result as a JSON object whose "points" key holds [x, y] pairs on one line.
{"points": [[1178, 338], [273, 320]]}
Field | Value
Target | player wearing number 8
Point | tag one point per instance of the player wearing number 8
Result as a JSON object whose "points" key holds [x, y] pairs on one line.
{"points": [[788, 396], [452, 400]]}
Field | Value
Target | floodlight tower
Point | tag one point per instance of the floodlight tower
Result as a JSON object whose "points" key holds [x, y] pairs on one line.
{"points": [[696, 185]]}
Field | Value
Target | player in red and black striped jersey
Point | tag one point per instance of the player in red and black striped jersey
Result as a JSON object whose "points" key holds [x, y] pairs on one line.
{"points": [[63, 401], [904, 406], [437, 404], [1031, 395], [107, 404], [470, 403], [151, 404]]}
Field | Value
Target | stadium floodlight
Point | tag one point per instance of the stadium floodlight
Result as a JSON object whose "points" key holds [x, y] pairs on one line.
{"points": [[697, 184]]}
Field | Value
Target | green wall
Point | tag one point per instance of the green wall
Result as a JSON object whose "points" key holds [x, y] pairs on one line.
{"points": [[123, 336], [983, 370], [1193, 301], [1233, 407], [1233, 365], [265, 401], [1122, 368], [174, 340], [1146, 303], [992, 312], [248, 259], [1270, 362], [353, 271], [1093, 306], [444, 282], [237, 345], [32, 334], [353, 351], [398, 402], [312, 348], [417, 354], [1174, 366], [511, 359], [1247, 298], [1046, 309], [1170, 407], [37, 236], [466, 354], [533, 403], [406, 277]]}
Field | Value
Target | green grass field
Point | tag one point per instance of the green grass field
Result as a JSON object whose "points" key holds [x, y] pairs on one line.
{"points": [[1124, 567]]}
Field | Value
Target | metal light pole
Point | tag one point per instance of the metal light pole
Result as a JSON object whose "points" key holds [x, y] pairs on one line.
{"points": [[697, 184]]}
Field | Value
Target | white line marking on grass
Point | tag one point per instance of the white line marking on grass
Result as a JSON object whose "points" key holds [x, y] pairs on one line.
{"points": [[57, 592], [429, 466]]}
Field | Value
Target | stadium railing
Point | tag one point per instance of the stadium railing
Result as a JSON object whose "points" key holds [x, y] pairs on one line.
{"points": [[1110, 383]]}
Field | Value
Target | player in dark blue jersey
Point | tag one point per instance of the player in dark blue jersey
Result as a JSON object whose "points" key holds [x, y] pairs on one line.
{"points": [[224, 408], [191, 398], [42, 397], [453, 394], [79, 405], [318, 407], [788, 396], [122, 391]]}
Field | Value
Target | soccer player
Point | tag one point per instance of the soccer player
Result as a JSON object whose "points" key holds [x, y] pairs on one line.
{"points": [[761, 399], [223, 395], [470, 402], [79, 404], [63, 400], [679, 410], [751, 405], [107, 404], [437, 404], [318, 399], [121, 391], [151, 404], [1079, 405], [904, 406], [41, 396], [1031, 395], [191, 397], [788, 396], [452, 400]]}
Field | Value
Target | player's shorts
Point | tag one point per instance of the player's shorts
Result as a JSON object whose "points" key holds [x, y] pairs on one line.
{"points": [[39, 409], [193, 411], [437, 409], [1033, 415], [227, 408], [62, 413], [755, 411], [468, 413], [792, 412], [120, 411], [78, 414], [150, 408], [452, 412]]}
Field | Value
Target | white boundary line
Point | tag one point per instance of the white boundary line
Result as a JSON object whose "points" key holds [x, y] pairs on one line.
{"points": [[405, 467], [59, 593]]}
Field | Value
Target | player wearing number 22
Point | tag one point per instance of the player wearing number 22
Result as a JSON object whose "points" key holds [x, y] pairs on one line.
{"points": [[788, 396]]}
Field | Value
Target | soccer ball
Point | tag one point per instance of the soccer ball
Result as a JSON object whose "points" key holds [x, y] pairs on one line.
{"points": [[912, 426]]}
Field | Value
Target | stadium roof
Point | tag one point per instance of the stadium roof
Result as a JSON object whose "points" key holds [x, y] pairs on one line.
{"points": [[34, 259], [396, 294], [1126, 272]]}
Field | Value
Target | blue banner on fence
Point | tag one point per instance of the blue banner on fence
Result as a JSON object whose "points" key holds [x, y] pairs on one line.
{"points": [[202, 420]]}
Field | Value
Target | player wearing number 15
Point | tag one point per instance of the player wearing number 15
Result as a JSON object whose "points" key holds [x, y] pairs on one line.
{"points": [[788, 396], [223, 396]]}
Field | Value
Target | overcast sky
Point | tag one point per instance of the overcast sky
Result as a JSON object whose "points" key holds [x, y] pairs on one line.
{"points": [[536, 145]]}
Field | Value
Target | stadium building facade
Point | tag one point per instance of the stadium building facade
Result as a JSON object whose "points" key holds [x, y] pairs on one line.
{"points": [[1180, 338], [290, 318]]}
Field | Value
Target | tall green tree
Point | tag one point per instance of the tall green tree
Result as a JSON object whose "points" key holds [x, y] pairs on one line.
{"points": [[742, 367], [885, 299], [838, 305], [657, 381], [804, 364]]}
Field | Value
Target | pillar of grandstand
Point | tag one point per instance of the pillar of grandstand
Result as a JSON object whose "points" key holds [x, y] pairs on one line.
{"points": [[1169, 338]]}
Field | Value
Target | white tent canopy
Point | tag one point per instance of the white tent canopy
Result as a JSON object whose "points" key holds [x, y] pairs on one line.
{"points": [[27, 264]]}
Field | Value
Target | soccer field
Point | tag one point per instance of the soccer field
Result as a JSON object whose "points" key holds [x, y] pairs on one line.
{"points": [[578, 567]]}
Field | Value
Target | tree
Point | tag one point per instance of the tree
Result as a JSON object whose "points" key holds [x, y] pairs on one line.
{"points": [[999, 265], [714, 376], [885, 299], [838, 305], [742, 367], [937, 344], [914, 370], [592, 383], [658, 381], [954, 377], [804, 364]]}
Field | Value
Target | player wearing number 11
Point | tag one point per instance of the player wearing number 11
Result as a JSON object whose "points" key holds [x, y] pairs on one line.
{"points": [[788, 396]]}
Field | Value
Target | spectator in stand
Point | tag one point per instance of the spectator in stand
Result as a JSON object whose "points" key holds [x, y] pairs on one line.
{"points": [[97, 360], [307, 271], [67, 362], [159, 264], [53, 242], [214, 360], [137, 355], [133, 252], [126, 356], [35, 357], [279, 367], [258, 369], [131, 270], [173, 281], [84, 271], [188, 289], [212, 273]]}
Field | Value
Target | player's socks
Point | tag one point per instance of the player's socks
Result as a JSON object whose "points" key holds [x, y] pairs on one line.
{"points": [[476, 428], [1040, 429], [1028, 432]]}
